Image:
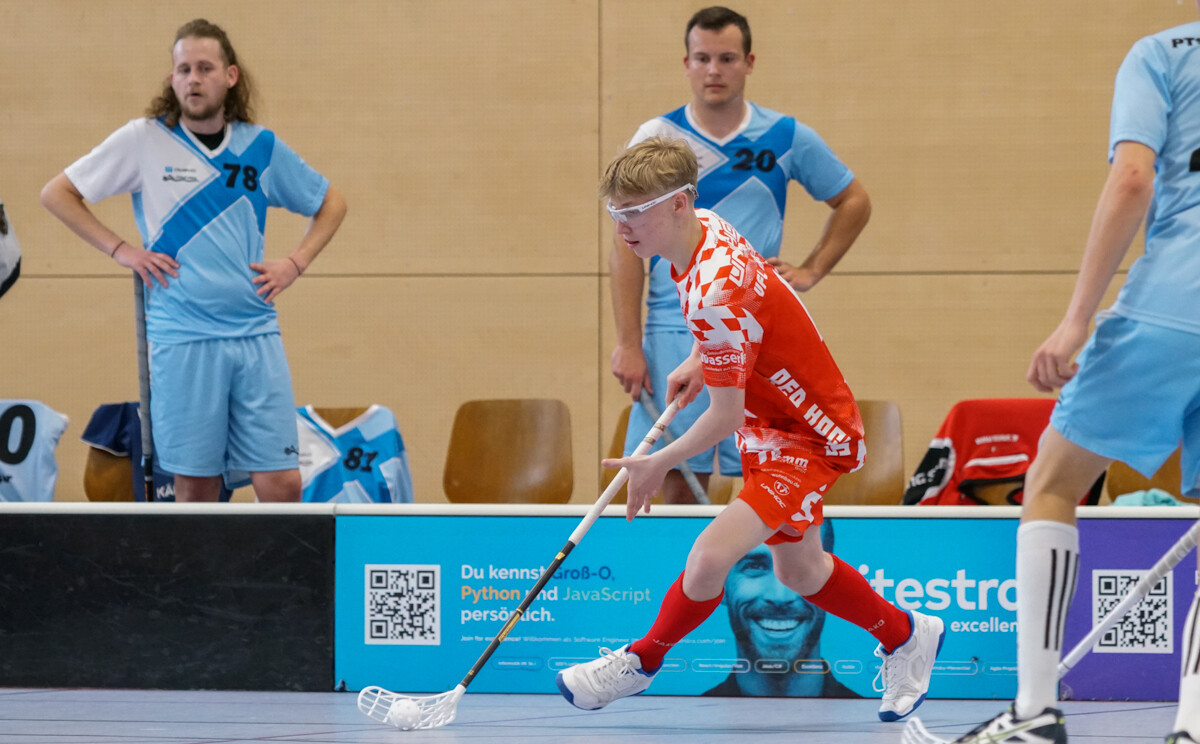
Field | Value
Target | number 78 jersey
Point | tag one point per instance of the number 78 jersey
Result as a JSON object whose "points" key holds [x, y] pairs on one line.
{"points": [[207, 209]]}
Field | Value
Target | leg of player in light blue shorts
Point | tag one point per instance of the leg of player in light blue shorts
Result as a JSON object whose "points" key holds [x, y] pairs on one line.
{"points": [[666, 350], [222, 405], [1136, 397]]}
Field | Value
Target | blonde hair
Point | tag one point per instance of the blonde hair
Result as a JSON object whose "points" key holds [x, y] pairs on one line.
{"points": [[653, 166]]}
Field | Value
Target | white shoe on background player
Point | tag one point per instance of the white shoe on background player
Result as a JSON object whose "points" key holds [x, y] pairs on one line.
{"points": [[595, 684], [905, 672], [1047, 727]]}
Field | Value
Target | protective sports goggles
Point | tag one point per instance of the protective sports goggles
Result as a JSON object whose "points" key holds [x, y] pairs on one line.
{"points": [[624, 214]]}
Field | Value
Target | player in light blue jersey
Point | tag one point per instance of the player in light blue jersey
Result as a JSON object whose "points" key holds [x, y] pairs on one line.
{"points": [[747, 155], [1134, 392], [202, 175]]}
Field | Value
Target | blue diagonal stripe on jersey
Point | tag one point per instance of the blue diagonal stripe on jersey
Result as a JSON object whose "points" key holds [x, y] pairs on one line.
{"points": [[206, 204], [777, 138]]}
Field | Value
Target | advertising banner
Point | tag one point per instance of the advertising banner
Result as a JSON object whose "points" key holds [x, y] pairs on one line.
{"points": [[419, 597], [1139, 658]]}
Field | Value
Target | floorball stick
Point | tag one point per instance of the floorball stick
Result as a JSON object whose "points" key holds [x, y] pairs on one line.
{"points": [[143, 364], [697, 490], [914, 730], [408, 712]]}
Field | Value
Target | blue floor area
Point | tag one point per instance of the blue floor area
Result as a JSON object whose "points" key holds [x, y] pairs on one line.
{"points": [[173, 717]]}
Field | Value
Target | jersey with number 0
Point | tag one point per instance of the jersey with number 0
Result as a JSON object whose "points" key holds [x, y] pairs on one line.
{"points": [[207, 210], [29, 434], [1157, 103], [744, 178], [363, 461], [755, 333]]}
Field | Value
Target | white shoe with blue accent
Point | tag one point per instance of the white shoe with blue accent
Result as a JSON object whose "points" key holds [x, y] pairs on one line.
{"points": [[595, 684], [905, 673]]}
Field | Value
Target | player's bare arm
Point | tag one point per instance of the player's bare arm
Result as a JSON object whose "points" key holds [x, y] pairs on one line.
{"points": [[851, 209], [627, 287], [1122, 206], [63, 200], [687, 380], [726, 413], [276, 276]]}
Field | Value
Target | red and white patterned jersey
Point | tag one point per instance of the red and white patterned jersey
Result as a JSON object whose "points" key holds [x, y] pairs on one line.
{"points": [[755, 333]]}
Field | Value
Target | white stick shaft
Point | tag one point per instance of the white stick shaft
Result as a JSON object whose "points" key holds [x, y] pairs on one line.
{"points": [[689, 477], [623, 474], [1164, 566]]}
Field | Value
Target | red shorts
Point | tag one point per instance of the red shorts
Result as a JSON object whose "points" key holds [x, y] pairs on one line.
{"points": [[787, 492]]}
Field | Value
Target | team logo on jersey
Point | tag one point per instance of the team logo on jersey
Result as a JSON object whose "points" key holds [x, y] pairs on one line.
{"points": [[789, 386], [291, 449], [768, 489], [180, 173], [734, 359]]}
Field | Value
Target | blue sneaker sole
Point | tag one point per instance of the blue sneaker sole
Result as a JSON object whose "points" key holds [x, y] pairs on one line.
{"points": [[566, 692], [890, 716]]}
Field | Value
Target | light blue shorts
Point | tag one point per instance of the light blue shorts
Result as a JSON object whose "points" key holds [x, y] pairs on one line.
{"points": [[1136, 397], [666, 350], [222, 405]]}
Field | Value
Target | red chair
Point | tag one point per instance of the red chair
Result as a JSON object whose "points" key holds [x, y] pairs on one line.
{"points": [[981, 452]]}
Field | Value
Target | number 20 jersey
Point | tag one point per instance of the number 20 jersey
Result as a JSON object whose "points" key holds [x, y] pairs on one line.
{"points": [[207, 209], [744, 178]]}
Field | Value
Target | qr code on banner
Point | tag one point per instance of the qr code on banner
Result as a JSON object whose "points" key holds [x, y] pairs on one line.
{"points": [[403, 604], [1145, 629]]}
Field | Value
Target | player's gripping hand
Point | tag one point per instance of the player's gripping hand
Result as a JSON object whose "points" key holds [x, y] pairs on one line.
{"points": [[646, 474], [274, 277], [629, 367], [146, 263], [1052, 364], [686, 381]]}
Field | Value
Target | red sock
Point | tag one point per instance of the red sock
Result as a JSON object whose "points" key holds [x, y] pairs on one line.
{"points": [[677, 617], [848, 595]]}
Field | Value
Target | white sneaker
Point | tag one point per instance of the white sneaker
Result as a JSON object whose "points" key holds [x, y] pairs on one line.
{"points": [[595, 684], [1046, 727], [906, 671]]}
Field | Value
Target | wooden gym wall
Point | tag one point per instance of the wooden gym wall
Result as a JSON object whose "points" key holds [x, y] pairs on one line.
{"points": [[467, 136]]}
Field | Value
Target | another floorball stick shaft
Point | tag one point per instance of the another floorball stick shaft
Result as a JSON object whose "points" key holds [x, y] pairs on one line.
{"points": [[605, 498], [143, 363], [1135, 595], [698, 491], [915, 731]]}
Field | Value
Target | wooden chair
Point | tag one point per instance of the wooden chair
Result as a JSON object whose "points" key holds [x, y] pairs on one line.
{"points": [[339, 417], [1123, 479], [510, 451], [881, 480], [107, 477]]}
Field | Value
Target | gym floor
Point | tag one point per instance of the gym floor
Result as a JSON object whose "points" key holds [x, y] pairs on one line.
{"points": [[172, 717]]}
